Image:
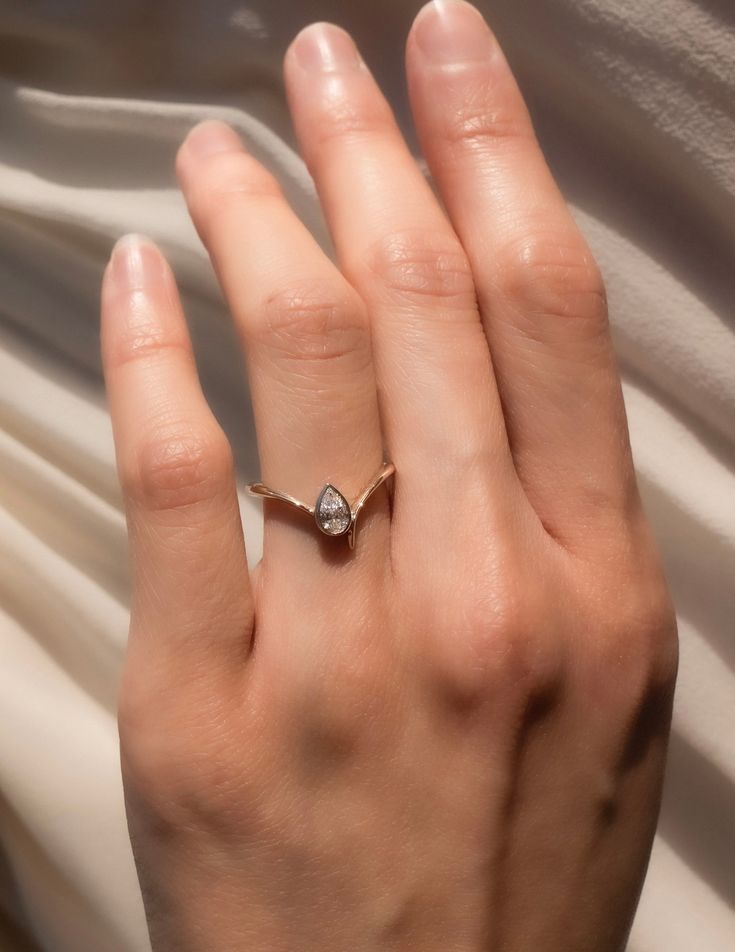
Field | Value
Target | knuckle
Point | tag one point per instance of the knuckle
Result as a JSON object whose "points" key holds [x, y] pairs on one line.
{"points": [[147, 747], [630, 675], [346, 118], [161, 766], [306, 324], [179, 467], [482, 119], [552, 275], [140, 706], [225, 180], [507, 643], [499, 648], [663, 637], [179, 765], [143, 338], [637, 642], [420, 266], [650, 627]]}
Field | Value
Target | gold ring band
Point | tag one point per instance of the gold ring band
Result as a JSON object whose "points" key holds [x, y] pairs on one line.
{"points": [[332, 512]]}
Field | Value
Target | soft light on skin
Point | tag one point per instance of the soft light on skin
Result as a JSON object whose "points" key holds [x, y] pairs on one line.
{"points": [[452, 737]]}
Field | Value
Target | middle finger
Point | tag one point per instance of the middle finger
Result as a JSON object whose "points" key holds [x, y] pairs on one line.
{"points": [[440, 405]]}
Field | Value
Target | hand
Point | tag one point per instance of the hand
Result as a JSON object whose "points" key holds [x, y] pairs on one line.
{"points": [[452, 737]]}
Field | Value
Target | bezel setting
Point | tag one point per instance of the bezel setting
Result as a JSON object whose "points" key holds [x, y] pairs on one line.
{"points": [[332, 512]]}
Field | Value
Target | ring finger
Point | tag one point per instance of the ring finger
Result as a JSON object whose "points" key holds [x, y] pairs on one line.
{"points": [[307, 346]]}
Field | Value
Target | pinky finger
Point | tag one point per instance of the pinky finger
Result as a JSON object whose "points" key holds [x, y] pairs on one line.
{"points": [[192, 608]]}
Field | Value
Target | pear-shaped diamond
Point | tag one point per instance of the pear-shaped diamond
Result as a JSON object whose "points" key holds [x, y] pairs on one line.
{"points": [[332, 512]]}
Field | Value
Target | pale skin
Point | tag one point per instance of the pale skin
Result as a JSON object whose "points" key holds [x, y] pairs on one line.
{"points": [[452, 737]]}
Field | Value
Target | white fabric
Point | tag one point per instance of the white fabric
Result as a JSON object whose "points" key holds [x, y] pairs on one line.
{"points": [[635, 104]]}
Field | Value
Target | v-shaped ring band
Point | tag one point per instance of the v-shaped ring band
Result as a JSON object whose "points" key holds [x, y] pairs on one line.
{"points": [[332, 512]]}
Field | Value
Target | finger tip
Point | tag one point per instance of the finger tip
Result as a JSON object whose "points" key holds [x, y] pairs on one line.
{"points": [[132, 240], [132, 244], [135, 261], [207, 138], [425, 13], [323, 46], [450, 31]]}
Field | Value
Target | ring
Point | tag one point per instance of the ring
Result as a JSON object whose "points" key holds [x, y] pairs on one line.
{"points": [[332, 512]]}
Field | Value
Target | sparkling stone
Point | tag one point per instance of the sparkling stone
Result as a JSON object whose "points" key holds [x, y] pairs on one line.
{"points": [[332, 512]]}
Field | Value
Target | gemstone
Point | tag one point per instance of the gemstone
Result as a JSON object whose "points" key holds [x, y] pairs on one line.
{"points": [[332, 511]]}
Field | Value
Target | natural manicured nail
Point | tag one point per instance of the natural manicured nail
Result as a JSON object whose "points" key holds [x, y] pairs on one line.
{"points": [[452, 31], [136, 263], [211, 137], [323, 47]]}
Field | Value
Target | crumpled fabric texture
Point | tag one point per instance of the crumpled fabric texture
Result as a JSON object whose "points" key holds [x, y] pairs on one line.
{"points": [[634, 101]]}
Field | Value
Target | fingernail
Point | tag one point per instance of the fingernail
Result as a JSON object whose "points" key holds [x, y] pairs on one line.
{"points": [[212, 136], [325, 48], [136, 263], [452, 31]]}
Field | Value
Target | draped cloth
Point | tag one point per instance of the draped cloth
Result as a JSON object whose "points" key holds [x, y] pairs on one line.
{"points": [[634, 101]]}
